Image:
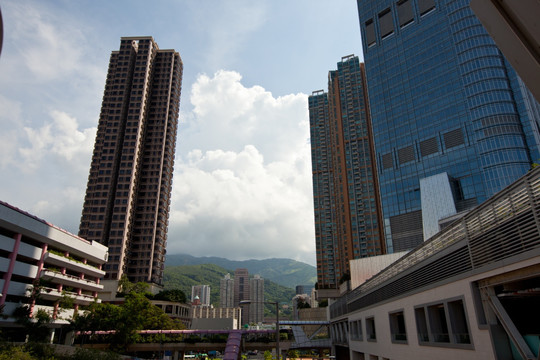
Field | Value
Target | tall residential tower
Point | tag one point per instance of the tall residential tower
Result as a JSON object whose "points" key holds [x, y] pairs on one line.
{"points": [[346, 200], [256, 296], [453, 124], [127, 199], [202, 292], [226, 292]]}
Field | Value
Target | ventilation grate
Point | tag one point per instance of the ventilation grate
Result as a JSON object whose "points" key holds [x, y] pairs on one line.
{"points": [[428, 147], [406, 154], [387, 161], [454, 138]]}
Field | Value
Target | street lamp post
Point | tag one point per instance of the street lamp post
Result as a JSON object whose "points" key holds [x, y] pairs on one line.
{"points": [[246, 302]]}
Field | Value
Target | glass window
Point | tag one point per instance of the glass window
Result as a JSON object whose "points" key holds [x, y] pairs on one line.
{"points": [[370, 32], [426, 6], [458, 321], [421, 325], [442, 323], [397, 327], [405, 12], [370, 329], [386, 24]]}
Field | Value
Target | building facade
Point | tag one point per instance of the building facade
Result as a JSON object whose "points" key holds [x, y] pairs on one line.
{"points": [[226, 292], [469, 292], [241, 291], [348, 224], [206, 317], [256, 295], [175, 310], [127, 200], [41, 263], [443, 100], [241, 286], [203, 292]]}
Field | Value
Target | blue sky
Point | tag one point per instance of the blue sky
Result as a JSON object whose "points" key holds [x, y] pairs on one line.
{"points": [[242, 180]]}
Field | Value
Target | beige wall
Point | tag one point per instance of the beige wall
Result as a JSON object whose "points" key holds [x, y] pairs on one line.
{"points": [[363, 269]]}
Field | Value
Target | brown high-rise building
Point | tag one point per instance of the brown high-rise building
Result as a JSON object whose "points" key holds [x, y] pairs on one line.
{"points": [[241, 291], [127, 199], [348, 223], [241, 286]]}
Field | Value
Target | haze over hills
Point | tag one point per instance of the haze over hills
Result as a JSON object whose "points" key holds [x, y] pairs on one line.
{"points": [[285, 272]]}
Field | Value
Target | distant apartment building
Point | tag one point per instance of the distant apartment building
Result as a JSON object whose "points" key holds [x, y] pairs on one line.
{"points": [[241, 291], [256, 296], [202, 292], [241, 286], [453, 124], [126, 206], [348, 223], [226, 292], [34, 253], [304, 289], [175, 310]]}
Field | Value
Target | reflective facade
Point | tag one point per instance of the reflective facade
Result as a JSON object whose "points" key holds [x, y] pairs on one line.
{"points": [[443, 99], [128, 195], [346, 201]]}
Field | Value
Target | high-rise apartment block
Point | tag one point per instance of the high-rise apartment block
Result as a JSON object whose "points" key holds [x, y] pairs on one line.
{"points": [[226, 292], [256, 295], [241, 291], [347, 209], [127, 199], [241, 286], [453, 124], [202, 292]]}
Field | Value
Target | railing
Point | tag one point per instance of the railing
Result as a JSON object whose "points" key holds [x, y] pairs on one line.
{"points": [[55, 274], [60, 260]]}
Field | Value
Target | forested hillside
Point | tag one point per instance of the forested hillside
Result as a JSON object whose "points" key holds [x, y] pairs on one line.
{"points": [[183, 277], [285, 272]]}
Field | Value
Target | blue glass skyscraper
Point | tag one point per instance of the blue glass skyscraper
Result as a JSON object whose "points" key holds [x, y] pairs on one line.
{"points": [[452, 122]]}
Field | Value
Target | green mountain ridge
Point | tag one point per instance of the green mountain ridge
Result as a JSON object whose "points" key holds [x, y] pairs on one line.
{"points": [[285, 272], [183, 277]]}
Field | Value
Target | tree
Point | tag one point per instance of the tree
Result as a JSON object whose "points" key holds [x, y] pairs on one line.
{"points": [[36, 327], [293, 354], [302, 304], [175, 295], [126, 287], [136, 313]]}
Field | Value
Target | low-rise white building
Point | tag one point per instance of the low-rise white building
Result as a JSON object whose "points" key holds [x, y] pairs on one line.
{"points": [[41, 264], [207, 317], [469, 292]]}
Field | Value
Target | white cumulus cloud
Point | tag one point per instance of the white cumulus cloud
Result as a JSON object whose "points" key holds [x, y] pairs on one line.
{"points": [[60, 138], [243, 189]]}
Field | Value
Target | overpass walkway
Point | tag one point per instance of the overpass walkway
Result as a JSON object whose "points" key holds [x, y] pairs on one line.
{"points": [[176, 340]]}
